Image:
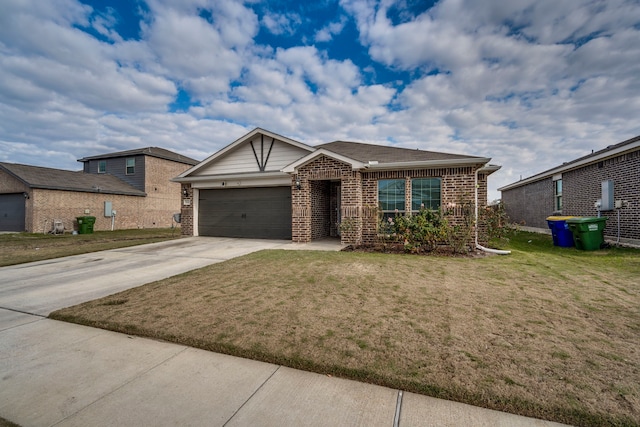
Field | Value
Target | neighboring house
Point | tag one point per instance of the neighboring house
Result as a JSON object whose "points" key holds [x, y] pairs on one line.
{"points": [[575, 187], [135, 184], [264, 185]]}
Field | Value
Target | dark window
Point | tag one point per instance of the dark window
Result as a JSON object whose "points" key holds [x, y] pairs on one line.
{"points": [[131, 166], [102, 166], [425, 193], [391, 195], [558, 194]]}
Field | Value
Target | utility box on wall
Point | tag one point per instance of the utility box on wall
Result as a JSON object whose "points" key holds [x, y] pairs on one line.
{"points": [[607, 196], [108, 208]]}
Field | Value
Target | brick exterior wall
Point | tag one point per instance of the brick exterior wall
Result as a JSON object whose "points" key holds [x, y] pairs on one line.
{"points": [[531, 204], [324, 169], [359, 197], [163, 196], [582, 187], [320, 209], [186, 211], [46, 206], [458, 187]]}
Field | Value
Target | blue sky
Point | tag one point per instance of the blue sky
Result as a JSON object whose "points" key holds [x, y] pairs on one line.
{"points": [[529, 83]]}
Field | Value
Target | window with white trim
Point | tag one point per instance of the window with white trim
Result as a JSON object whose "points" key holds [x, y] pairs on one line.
{"points": [[102, 166], [131, 166], [557, 191]]}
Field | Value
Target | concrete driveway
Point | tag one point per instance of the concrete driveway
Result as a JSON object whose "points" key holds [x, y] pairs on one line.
{"points": [[45, 286]]}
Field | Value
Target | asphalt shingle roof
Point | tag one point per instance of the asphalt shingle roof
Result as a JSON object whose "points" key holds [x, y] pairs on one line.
{"points": [[385, 154], [59, 179], [147, 151]]}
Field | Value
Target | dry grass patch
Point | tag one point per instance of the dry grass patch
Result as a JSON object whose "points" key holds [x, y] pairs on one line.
{"points": [[545, 333], [18, 248]]}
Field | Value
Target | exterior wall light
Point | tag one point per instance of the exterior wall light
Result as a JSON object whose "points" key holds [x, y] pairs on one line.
{"points": [[185, 193], [298, 185]]}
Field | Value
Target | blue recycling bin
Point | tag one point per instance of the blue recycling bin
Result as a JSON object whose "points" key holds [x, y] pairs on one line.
{"points": [[560, 231]]}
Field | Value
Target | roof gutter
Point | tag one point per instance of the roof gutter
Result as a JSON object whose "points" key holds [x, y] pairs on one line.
{"points": [[427, 163]]}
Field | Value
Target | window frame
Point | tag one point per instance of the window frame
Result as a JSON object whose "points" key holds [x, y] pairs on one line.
{"points": [[102, 166], [395, 210], [557, 195], [416, 207], [127, 166]]}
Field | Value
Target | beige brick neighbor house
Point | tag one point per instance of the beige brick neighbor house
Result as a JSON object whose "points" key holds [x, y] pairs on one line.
{"points": [[123, 190], [265, 185]]}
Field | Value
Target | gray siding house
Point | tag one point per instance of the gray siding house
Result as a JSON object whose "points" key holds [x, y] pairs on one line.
{"points": [[575, 187]]}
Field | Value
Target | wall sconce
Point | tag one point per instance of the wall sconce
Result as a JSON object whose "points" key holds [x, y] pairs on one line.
{"points": [[298, 185], [185, 192], [26, 195]]}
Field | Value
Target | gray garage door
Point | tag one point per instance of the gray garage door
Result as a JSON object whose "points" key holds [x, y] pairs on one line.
{"points": [[258, 213], [12, 212]]}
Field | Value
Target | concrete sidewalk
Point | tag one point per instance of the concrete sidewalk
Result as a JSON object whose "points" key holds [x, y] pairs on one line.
{"points": [[55, 373]]}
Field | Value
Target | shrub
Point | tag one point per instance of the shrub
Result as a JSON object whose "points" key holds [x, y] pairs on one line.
{"points": [[423, 231], [496, 221]]}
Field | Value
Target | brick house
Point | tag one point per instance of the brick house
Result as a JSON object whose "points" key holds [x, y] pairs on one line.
{"points": [[265, 185], [574, 187], [136, 184]]}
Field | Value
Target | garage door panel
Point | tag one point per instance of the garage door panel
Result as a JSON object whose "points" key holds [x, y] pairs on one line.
{"points": [[246, 212], [12, 212]]}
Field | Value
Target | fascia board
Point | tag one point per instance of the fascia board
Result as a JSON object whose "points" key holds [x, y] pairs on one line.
{"points": [[248, 175]]}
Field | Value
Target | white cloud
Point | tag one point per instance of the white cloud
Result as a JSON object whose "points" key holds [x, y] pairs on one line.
{"points": [[204, 56], [281, 23], [326, 33]]}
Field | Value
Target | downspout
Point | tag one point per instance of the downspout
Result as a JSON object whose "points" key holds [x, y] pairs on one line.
{"points": [[478, 246]]}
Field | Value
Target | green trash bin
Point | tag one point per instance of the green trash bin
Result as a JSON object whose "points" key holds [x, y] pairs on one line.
{"points": [[588, 232], [90, 220], [85, 224]]}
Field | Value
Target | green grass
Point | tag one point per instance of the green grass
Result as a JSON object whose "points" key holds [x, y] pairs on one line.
{"points": [[545, 332], [18, 248]]}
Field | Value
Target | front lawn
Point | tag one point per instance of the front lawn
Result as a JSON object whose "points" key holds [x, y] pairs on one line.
{"points": [[18, 248], [547, 332]]}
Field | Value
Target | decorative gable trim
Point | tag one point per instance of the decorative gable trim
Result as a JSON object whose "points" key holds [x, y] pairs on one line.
{"points": [[260, 156]]}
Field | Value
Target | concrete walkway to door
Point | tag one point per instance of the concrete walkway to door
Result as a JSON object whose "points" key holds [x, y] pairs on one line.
{"points": [[56, 373]]}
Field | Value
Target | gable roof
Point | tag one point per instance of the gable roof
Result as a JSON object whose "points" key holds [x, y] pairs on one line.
{"points": [[59, 179], [608, 152], [370, 156], [158, 152], [247, 137]]}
